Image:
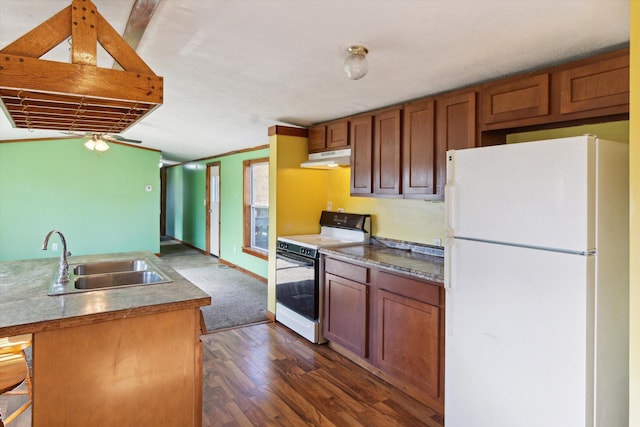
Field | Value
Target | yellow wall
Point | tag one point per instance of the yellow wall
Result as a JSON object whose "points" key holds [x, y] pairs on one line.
{"points": [[634, 148], [401, 219], [614, 131], [296, 198]]}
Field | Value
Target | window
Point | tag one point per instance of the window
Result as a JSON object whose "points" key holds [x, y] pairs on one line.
{"points": [[256, 207]]}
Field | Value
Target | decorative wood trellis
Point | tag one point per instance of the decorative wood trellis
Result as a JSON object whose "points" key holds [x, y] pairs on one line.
{"points": [[76, 96]]}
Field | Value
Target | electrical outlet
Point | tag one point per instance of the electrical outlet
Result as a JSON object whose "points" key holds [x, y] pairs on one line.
{"points": [[437, 242], [54, 246]]}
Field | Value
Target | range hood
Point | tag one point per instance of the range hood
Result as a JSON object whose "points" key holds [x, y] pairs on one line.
{"points": [[328, 159]]}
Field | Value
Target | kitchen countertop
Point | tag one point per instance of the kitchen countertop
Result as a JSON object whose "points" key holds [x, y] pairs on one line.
{"points": [[409, 262], [25, 306]]}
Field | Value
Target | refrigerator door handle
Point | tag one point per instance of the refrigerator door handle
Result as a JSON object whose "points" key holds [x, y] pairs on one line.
{"points": [[449, 209], [449, 241], [448, 287], [450, 195]]}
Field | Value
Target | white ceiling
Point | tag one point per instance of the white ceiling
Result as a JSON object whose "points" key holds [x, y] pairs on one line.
{"points": [[232, 68]]}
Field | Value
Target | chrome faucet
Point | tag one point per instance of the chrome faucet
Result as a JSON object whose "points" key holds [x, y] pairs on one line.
{"points": [[63, 266]]}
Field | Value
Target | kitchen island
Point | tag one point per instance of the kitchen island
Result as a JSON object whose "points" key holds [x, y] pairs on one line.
{"points": [[120, 356]]}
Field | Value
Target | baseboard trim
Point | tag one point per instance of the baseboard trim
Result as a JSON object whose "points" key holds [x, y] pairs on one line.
{"points": [[189, 245], [227, 263], [247, 272]]}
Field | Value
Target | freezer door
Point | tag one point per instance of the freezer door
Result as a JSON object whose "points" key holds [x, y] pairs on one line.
{"points": [[535, 194], [517, 337]]}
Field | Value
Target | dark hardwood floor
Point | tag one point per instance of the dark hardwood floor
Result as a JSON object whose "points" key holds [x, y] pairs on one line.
{"points": [[265, 375]]}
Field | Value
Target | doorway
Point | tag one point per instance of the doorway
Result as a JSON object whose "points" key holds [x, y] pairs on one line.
{"points": [[213, 209]]}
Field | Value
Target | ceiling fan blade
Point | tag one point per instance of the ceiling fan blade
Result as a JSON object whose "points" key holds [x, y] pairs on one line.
{"points": [[119, 138], [77, 135]]}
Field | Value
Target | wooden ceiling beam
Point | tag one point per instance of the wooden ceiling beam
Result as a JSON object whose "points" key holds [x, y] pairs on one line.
{"points": [[119, 49], [84, 33]]}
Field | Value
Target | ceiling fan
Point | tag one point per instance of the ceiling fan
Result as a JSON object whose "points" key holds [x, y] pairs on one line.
{"points": [[98, 140]]}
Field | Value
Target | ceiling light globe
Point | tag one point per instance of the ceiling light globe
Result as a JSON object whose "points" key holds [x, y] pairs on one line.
{"points": [[101, 145], [356, 65], [90, 144]]}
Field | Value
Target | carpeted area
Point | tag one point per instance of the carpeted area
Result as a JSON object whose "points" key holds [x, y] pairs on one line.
{"points": [[236, 298]]}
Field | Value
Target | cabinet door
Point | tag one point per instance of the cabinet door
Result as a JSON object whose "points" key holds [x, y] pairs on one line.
{"points": [[386, 154], [419, 150], [346, 313], [516, 99], [338, 134], [593, 86], [408, 341], [455, 129], [317, 138], [361, 138]]}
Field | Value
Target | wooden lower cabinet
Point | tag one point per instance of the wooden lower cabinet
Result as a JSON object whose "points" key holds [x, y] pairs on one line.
{"points": [[393, 326], [132, 371], [346, 314], [408, 343]]}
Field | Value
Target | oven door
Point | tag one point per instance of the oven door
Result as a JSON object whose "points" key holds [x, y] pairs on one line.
{"points": [[297, 284]]}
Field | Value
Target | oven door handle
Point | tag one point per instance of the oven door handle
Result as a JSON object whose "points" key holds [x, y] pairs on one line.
{"points": [[296, 259]]}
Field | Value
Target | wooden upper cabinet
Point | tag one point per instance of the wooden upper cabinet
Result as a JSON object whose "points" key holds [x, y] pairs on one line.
{"points": [[589, 90], [338, 135], [329, 136], [386, 152], [317, 138], [594, 86], [419, 150], [516, 99], [361, 141], [455, 129]]}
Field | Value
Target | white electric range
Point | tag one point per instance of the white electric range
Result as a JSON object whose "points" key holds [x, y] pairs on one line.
{"points": [[298, 290]]}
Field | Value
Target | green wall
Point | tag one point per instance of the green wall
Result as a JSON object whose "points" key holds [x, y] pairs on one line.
{"points": [[186, 213], [97, 200]]}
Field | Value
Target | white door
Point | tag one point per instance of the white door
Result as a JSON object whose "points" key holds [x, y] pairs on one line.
{"points": [[518, 328], [214, 211]]}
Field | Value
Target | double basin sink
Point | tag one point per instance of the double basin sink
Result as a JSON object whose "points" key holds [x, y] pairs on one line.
{"points": [[91, 276]]}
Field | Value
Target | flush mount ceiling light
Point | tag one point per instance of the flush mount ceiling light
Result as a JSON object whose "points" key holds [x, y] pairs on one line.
{"points": [[356, 65], [96, 143], [76, 96]]}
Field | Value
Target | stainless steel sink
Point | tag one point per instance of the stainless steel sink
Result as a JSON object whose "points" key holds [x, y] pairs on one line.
{"points": [[110, 267], [130, 278], [99, 275]]}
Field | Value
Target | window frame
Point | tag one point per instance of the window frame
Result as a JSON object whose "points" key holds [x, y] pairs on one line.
{"points": [[246, 209]]}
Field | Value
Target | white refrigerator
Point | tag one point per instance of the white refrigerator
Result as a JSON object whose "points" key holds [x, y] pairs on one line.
{"points": [[537, 285]]}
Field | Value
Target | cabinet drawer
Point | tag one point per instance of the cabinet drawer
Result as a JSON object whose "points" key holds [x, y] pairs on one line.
{"points": [[410, 288], [357, 273], [522, 98]]}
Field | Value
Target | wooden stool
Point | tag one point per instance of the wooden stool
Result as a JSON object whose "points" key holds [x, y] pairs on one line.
{"points": [[15, 344], [13, 372]]}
